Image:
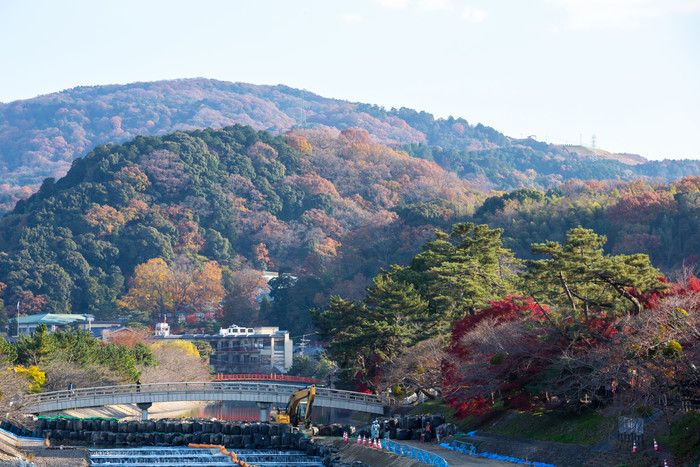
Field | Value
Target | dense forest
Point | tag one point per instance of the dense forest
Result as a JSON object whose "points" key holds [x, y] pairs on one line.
{"points": [[211, 209], [40, 137]]}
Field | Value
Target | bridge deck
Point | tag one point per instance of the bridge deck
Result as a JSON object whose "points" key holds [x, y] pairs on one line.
{"points": [[276, 394]]}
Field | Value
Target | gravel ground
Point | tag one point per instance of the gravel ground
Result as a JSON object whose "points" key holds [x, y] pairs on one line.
{"points": [[51, 457], [43, 457]]}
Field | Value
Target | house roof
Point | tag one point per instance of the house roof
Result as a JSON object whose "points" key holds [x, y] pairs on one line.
{"points": [[51, 318]]}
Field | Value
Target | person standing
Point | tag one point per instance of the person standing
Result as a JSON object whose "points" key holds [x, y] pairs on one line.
{"points": [[375, 431]]}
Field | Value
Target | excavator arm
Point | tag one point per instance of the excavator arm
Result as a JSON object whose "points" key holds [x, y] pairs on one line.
{"points": [[300, 404], [298, 409]]}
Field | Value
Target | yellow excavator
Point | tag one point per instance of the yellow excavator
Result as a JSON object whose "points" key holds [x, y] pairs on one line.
{"points": [[298, 409]]}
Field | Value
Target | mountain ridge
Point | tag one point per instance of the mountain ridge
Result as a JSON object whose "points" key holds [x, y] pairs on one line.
{"points": [[42, 136]]}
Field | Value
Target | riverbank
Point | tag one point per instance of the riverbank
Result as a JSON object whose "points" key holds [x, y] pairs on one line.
{"points": [[43, 457], [56, 457]]}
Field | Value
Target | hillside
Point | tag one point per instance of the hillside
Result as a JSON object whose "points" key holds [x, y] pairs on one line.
{"points": [[40, 137], [317, 204], [629, 159], [330, 208]]}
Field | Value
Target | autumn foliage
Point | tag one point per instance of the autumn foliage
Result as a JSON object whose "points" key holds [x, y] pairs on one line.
{"points": [[159, 289], [511, 353], [495, 354]]}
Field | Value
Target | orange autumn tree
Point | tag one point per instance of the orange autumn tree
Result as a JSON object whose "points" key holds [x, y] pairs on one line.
{"points": [[261, 255], [105, 218], [160, 289]]}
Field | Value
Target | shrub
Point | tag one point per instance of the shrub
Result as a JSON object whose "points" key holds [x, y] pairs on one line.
{"points": [[34, 375]]}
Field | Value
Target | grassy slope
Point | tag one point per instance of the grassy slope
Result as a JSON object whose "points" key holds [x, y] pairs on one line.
{"points": [[586, 429]]}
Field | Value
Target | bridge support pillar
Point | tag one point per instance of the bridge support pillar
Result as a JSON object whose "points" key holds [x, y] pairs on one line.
{"points": [[144, 406], [263, 406]]}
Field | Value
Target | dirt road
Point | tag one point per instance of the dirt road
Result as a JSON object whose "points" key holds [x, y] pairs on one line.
{"points": [[351, 452]]}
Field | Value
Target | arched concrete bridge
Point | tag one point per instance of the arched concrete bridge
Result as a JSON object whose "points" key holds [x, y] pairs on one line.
{"points": [[262, 393]]}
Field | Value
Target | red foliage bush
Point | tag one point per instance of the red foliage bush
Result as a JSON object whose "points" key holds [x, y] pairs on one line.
{"points": [[494, 352]]}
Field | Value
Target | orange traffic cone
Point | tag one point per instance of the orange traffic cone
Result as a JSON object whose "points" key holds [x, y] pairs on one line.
{"points": [[359, 439], [634, 446], [364, 441], [665, 463], [374, 444], [345, 435], [656, 446]]}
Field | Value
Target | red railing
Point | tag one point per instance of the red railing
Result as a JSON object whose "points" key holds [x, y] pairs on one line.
{"points": [[287, 378]]}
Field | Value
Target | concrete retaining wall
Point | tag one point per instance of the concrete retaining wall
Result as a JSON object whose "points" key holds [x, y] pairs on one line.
{"points": [[18, 437]]}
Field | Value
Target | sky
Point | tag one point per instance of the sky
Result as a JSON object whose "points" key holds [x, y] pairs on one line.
{"points": [[623, 72]]}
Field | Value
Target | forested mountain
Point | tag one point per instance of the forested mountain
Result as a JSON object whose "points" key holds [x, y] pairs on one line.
{"points": [[329, 208], [40, 137], [305, 204]]}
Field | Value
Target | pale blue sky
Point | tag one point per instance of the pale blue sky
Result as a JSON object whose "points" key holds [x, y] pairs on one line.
{"points": [[627, 71]]}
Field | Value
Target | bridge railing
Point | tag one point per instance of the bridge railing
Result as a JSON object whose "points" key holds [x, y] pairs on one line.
{"points": [[204, 387], [339, 394], [266, 377]]}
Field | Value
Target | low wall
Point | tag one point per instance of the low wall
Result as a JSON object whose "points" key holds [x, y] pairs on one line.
{"points": [[165, 432], [18, 437]]}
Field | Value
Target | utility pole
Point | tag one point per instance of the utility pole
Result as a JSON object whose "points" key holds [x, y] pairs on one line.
{"points": [[303, 343]]}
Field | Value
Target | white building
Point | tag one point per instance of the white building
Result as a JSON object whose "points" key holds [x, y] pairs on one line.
{"points": [[263, 349], [241, 350]]}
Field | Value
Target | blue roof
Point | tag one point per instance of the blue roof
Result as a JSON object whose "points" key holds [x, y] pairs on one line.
{"points": [[51, 318]]}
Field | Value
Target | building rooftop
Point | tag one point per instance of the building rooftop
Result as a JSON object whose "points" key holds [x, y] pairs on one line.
{"points": [[51, 318]]}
